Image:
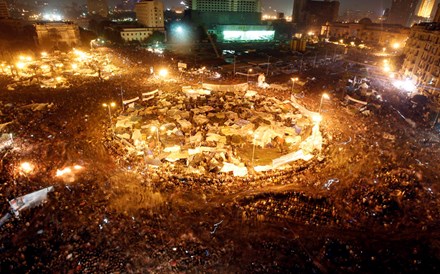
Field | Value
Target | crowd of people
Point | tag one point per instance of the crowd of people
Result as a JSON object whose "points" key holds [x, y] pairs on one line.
{"points": [[315, 216]]}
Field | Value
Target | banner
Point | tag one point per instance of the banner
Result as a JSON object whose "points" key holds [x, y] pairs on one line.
{"points": [[125, 102]]}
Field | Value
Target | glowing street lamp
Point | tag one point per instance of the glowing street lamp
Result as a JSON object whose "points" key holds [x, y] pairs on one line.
{"points": [[163, 73], [405, 85], [324, 96], [20, 65], [317, 118], [157, 129], [203, 72], [26, 167], [396, 45], [109, 106], [293, 82], [249, 71]]}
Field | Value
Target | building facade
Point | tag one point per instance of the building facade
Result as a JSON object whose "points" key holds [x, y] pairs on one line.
{"points": [[299, 11], [135, 34], [311, 15], [227, 5], [402, 12], [97, 7], [425, 8], [422, 58], [371, 34], [4, 11], [59, 35], [437, 15], [150, 14], [231, 20]]}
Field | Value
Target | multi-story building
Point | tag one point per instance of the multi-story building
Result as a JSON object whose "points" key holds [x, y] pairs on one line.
{"points": [[150, 14], [4, 12], [425, 8], [98, 7], [402, 12], [59, 35], [299, 12], [437, 15], [372, 34], [210, 13], [311, 15], [230, 20], [227, 5], [422, 58], [135, 34], [356, 15]]}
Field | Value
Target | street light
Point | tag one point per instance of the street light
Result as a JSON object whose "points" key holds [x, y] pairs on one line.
{"points": [[293, 82], [234, 64], [153, 129], [26, 167], [157, 129], [324, 96], [163, 72], [203, 73], [317, 118], [254, 139], [109, 106], [249, 70], [20, 65]]}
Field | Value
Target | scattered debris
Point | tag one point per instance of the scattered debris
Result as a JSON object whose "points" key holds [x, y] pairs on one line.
{"points": [[29, 200], [216, 226]]}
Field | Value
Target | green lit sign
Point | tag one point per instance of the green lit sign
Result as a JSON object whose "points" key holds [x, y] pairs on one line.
{"points": [[249, 35]]}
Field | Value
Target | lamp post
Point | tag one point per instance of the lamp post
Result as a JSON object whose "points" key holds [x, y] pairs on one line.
{"points": [[109, 106], [324, 96], [268, 64], [254, 138], [203, 73], [253, 148], [249, 70], [234, 65], [163, 73], [293, 82], [157, 129]]}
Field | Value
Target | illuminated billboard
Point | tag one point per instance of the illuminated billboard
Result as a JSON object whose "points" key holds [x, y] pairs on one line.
{"points": [[248, 35]]}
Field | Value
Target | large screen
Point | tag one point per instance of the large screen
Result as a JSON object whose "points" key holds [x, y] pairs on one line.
{"points": [[248, 35]]}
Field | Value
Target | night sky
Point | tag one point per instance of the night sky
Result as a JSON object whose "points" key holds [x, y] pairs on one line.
{"points": [[280, 5]]}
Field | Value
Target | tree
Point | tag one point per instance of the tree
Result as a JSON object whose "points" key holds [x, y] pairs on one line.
{"points": [[155, 37]]}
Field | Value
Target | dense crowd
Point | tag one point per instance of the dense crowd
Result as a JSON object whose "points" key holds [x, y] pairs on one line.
{"points": [[362, 207]]}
